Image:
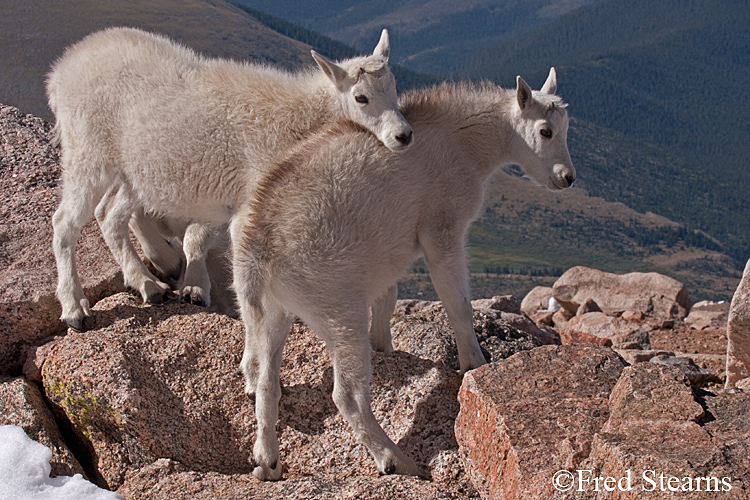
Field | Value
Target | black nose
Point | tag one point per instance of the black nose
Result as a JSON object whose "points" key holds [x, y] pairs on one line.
{"points": [[570, 178], [404, 138]]}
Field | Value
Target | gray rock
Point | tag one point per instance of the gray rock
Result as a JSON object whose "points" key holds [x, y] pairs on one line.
{"points": [[428, 335], [696, 375]]}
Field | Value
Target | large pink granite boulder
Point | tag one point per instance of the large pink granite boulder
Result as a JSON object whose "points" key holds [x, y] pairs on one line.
{"points": [[653, 294], [154, 391], [526, 417]]}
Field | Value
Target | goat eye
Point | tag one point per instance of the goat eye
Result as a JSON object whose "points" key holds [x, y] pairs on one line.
{"points": [[546, 133], [362, 99]]}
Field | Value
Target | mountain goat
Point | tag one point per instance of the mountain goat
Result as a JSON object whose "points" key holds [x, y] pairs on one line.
{"points": [[150, 128], [333, 226]]}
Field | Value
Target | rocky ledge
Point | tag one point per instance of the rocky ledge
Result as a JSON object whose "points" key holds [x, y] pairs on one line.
{"points": [[149, 402]]}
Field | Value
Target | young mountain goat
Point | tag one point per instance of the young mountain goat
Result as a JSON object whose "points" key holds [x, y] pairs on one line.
{"points": [[149, 127], [333, 226]]}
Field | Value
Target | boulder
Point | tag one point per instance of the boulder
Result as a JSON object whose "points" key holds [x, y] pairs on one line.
{"points": [[622, 334], [697, 375], [633, 356], [657, 430], [24, 406], [653, 294], [536, 300], [427, 334], [738, 333], [588, 307], [30, 183], [708, 315], [535, 413], [154, 391], [576, 413], [504, 303]]}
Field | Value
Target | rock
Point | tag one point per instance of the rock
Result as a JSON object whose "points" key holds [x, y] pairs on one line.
{"points": [[168, 479], [572, 336], [411, 306], [588, 307], [622, 334], [696, 375], [24, 406], [738, 333], [700, 319], [561, 317], [634, 316], [155, 391], [428, 335], [656, 427], [652, 294], [504, 303], [536, 300], [633, 356], [29, 181], [543, 318], [535, 413]]}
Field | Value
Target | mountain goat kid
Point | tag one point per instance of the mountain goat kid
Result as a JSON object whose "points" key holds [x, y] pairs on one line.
{"points": [[149, 128], [333, 226]]}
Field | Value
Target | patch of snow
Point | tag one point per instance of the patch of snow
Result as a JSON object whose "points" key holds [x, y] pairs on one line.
{"points": [[25, 469]]}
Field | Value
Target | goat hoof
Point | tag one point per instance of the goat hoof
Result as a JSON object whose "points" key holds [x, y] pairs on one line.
{"points": [[155, 298], [196, 301], [81, 325], [390, 469], [270, 472], [194, 295]]}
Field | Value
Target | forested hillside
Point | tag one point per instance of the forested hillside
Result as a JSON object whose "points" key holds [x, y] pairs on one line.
{"points": [[334, 49], [430, 36], [657, 122], [665, 75]]}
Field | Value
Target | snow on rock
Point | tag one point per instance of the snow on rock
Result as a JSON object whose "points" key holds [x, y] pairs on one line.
{"points": [[25, 470]]}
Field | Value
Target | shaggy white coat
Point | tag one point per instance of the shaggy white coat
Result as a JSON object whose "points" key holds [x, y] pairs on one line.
{"points": [[332, 227], [147, 126]]}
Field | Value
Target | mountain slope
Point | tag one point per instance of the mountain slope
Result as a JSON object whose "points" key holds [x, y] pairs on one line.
{"points": [[430, 36], [665, 74], [34, 34]]}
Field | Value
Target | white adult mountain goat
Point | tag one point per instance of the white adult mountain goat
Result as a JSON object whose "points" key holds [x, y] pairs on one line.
{"points": [[332, 227], [147, 126]]}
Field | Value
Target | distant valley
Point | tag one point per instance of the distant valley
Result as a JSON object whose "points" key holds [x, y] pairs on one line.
{"points": [[657, 190]]}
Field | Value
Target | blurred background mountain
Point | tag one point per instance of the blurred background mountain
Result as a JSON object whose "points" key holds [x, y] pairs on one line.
{"points": [[658, 132]]}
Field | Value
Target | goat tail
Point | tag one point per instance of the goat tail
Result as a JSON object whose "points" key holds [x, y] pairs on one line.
{"points": [[250, 268], [56, 135], [56, 132]]}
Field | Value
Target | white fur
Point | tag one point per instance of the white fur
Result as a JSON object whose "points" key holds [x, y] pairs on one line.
{"points": [[149, 127], [334, 225]]}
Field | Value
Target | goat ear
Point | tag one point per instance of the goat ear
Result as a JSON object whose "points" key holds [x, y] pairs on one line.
{"points": [[523, 93], [333, 71], [383, 49], [550, 86]]}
